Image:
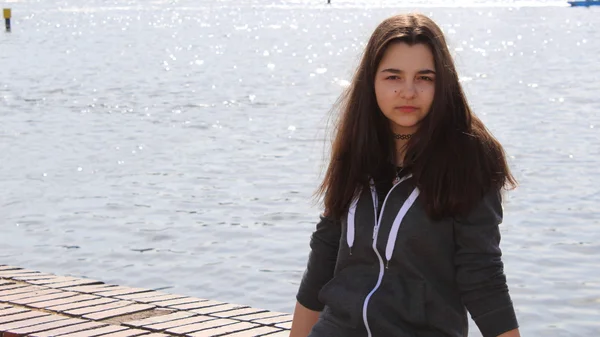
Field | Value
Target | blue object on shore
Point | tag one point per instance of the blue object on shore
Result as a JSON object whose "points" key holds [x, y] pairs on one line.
{"points": [[584, 3]]}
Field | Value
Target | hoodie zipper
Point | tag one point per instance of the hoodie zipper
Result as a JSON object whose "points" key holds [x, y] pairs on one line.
{"points": [[391, 239], [375, 232]]}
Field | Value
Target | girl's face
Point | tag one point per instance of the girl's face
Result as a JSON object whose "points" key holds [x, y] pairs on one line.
{"points": [[405, 85]]}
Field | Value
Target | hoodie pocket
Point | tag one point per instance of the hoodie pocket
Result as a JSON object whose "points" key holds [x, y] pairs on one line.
{"points": [[446, 312], [344, 297], [400, 300]]}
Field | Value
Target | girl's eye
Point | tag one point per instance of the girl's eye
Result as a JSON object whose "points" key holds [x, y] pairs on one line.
{"points": [[392, 77], [427, 78]]}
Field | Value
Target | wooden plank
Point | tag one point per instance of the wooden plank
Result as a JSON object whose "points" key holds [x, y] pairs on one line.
{"points": [[236, 327], [45, 326], [160, 298], [127, 333], [66, 284], [18, 272], [267, 314], [69, 329], [274, 320], [201, 303], [211, 324], [125, 291], [177, 301], [53, 296], [56, 279], [36, 293], [12, 311], [21, 316], [189, 328], [177, 323], [61, 301], [260, 331], [279, 334], [29, 322], [34, 277], [189, 306], [90, 289], [97, 308], [11, 286], [238, 312], [19, 290], [6, 284], [158, 319], [96, 332], [130, 309], [8, 275], [218, 308], [5, 267], [214, 324], [112, 288], [140, 295], [286, 325], [77, 305]]}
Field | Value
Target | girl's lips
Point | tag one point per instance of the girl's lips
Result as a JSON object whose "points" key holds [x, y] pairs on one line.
{"points": [[406, 108]]}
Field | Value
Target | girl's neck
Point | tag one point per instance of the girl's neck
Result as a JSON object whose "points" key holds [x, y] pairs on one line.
{"points": [[400, 151], [401, 138]]}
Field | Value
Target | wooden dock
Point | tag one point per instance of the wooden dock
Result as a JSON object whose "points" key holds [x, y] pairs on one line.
{"points": [[44, 305]]}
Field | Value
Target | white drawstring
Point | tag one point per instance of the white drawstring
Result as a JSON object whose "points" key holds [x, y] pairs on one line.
{"points": [[350, 229], [389, 249]]}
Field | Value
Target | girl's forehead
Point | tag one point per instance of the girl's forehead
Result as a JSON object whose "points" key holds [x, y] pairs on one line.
{"points": [[405, 57]]}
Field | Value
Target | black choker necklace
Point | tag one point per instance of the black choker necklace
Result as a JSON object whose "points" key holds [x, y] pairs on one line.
{"points": [[402, 137]]}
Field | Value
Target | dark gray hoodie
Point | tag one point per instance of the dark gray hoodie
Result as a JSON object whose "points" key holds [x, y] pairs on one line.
{"points": [[397, 273]]}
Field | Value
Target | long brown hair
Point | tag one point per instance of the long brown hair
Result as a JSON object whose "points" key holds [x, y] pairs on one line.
{"points": [[453, 157]]}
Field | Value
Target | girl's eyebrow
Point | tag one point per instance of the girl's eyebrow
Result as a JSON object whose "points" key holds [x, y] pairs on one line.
{"points": [[398, 71]]}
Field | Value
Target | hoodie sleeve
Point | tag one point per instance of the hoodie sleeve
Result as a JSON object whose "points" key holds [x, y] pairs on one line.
{"points": [[324, 246], [480, 270]]}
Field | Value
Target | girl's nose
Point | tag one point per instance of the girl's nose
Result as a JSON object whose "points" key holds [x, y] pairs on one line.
{"points": [[408, 91]]}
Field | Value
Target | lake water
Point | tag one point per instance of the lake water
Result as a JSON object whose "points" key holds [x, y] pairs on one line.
{"points": [[177, 144]]}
